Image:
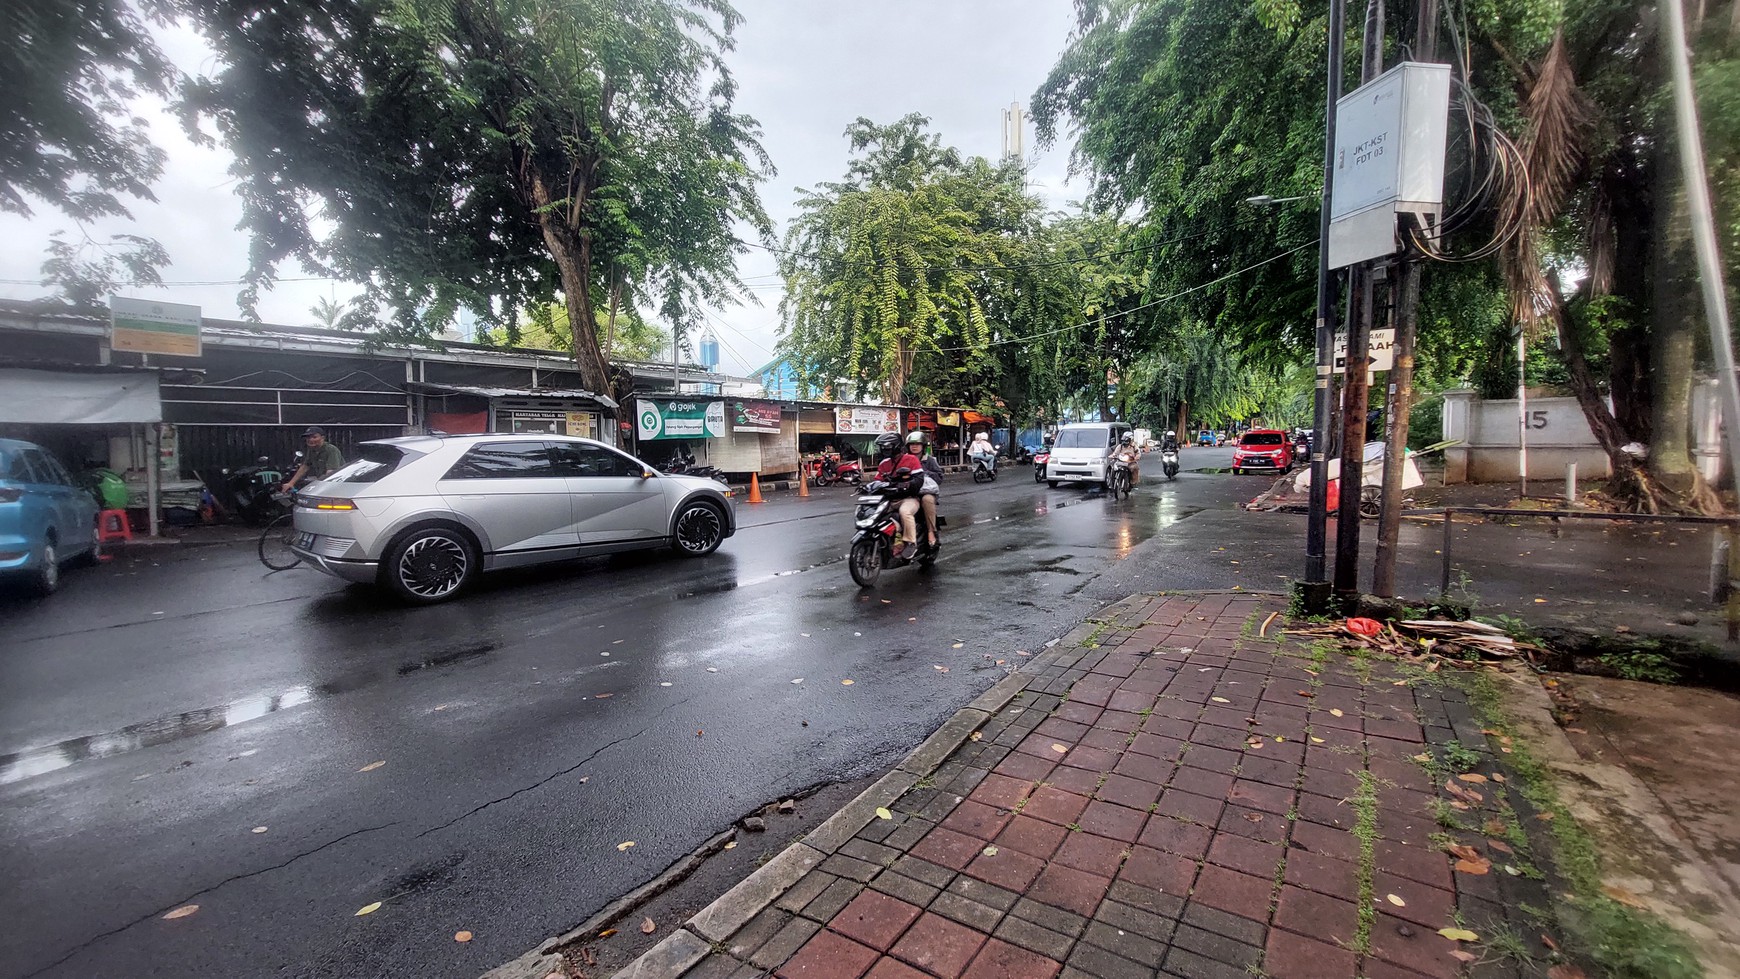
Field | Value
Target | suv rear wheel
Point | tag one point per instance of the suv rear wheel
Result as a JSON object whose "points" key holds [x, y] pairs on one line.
{"points": [[429, 565], [47, 580]]}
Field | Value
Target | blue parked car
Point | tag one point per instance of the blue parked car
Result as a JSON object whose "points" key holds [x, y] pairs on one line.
{"points": [[46, 520]]}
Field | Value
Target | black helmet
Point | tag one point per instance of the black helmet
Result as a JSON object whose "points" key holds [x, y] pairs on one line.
{"points": [[887, 443]]}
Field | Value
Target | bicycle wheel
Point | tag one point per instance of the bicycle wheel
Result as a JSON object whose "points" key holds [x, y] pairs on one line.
{"points": [[275, 543]]}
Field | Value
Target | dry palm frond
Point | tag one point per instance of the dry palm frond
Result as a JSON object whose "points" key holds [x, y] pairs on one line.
{"points": [[1553, 152]]}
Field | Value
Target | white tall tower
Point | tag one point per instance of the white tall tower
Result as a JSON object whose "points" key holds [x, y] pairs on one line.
{"points": [[1014, 129]]}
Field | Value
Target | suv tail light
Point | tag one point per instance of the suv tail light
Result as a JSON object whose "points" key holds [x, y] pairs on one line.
{"points": [[324, 503]]}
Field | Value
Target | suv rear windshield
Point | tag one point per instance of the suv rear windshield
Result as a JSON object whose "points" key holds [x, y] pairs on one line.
{"points": [[1084, 438], [1262, 438], [373, 462]]}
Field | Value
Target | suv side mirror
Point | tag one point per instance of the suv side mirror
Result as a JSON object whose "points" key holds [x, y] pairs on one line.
{"points": [[646, 474]]}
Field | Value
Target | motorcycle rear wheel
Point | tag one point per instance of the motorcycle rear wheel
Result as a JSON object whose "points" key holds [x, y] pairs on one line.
{"points": [[865, 562]]}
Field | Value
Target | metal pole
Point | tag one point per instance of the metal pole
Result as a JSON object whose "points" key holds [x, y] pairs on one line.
{"points": [[154, 477], [1314, 589], [1355, 402], [1400, 403], [1444, 579], [1522, 409], [1703, 224]]}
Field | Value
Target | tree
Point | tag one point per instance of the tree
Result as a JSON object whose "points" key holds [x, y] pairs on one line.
{"points": [[547, 327], [496, 155], [887, 272], [71, 70]]}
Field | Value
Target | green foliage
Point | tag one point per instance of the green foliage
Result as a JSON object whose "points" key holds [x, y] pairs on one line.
{"points": [[547, 327], [1645, 661], [496, 155]]}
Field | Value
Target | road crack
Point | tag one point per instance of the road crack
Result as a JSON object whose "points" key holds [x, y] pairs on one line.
{"points": [[539, 783], [76, 949]]}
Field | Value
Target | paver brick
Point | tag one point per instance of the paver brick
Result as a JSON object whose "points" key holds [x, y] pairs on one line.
{"points": [[1259, 795], [1145, 899], [1422, 863], [1125, 944], [1257, 825], [1098, 962], [1080, 781], [1239, 929], [1213, 945], [1001, 791], [1007, 868], [1426, 906], [1092, 853], [829, 956], [905, 888], [872, 853], [1113, 821], [999, 960], [1185, 964], [1233, 892], [1070, 889], [805, 890], [759, 929], [947, 848], [988, 894], [1176, 836], [1030, 768], [1187, 805], [874, 919], [1167, 873], [1325, 875], [908, 833], [785, 943], [1291, 956], [1054, 805], [1202, 782], [890, 968], [1126, 791], [1316, 915], [1034, 837], [923, 870], [977, 820], [1421, 949], [843, 866], [828, 903], [1034, 938], [966, 911], [1056, 919], [938, 945], [1245, 855], [1134, 920]]}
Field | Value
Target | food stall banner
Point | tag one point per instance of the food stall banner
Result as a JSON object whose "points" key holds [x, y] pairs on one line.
{"points": [[951, 419], [679, 419], [761, 417], [866, 421]]}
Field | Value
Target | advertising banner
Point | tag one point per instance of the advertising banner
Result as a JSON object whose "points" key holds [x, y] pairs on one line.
{"points": [[680, 419], [150, 327], [951, 419], [761, 417], [866, 421]]}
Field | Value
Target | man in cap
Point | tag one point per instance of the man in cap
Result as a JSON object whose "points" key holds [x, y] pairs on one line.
{"points": [[321, 460]]}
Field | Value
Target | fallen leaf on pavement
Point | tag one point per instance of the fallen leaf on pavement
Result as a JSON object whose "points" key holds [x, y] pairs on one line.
{"points": [[798, 680], [367, 909], [1622, 895], [1395, 900], [1463, 851], [1423, 757], [1317, 740], [1496, 777], [1305, 693], [1459, 934], [957, 645], [1060, 749], [606, 933], [1335, 712], [602, 696], [258, 829], [1547, 940], [730, 845], [1220, 700], [847, 683], [1472, 777], [887, 602], [462, 936], [712, 669], [620, 847], [989, 851], [883, 813], [1461, 956], [1477, 868], [1494, 827], [1253, 817], [1545, 817], [371, 766], [647, 926], [940, 668], [181, 912], [976, 735]]}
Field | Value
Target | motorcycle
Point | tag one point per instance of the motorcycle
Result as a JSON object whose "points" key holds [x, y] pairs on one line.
{"points": [[878, 530], [685, 467], [982, 471], [829, 470], [1169, 462], [247, 492], [1039, 460], [1119, 479]]}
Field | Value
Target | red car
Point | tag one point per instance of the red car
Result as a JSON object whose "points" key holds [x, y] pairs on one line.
{"points": [[1263, 448]]}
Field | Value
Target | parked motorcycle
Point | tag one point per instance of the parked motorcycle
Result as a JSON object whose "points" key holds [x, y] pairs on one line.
{"points": [[1040, 458], [878, 532], [830, 470], [684, 467], [246, 493], [1169, 462], [982, 471]]}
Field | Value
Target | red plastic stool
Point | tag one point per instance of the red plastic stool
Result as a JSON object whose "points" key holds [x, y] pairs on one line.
{"points": [[113, 525]]}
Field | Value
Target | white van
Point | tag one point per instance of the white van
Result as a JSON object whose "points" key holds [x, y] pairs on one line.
{"points": [[1080, 452]]}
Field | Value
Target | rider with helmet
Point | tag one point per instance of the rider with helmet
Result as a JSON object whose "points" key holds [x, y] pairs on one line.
{"points": [[1170, 442], [918, 445], [1131, 455], [895, 459]]}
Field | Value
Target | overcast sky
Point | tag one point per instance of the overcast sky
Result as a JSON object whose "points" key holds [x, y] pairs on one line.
{"points": [[805, 68]]}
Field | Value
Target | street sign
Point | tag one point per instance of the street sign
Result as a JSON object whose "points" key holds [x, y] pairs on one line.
{"points": [[1381, 347], [147, 327]]}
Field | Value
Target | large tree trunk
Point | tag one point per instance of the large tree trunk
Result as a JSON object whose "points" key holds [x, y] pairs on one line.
{"points": [[1674, 353], [571, 248]]}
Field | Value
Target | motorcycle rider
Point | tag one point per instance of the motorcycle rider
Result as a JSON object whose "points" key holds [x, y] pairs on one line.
{"points": [[919, 445], [981, 450], [1170, 442], [1128, 452], [895, 458]]}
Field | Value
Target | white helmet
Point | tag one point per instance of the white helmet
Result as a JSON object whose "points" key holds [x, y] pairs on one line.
{"points": [[1171, 434]]}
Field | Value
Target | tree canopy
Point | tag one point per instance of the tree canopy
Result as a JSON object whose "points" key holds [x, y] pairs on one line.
{"points": [[495, 155]]}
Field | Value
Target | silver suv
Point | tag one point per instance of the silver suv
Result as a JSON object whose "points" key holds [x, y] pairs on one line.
{"points": [[423, 515]]}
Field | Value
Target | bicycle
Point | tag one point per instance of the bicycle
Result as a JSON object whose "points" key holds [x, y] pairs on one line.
{"points": [[279, 537]]}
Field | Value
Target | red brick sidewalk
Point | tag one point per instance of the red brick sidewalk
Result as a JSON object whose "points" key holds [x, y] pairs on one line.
{"points": [[1186, 794]]}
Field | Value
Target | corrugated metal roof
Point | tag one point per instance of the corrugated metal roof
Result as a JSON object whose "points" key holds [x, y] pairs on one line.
{"points": [[487, 392]]}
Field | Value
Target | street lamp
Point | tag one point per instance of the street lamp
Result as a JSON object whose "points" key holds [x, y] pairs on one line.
{"points": [[1265, 199]]}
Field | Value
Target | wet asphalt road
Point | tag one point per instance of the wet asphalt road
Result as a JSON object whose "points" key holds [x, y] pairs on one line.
{"points": [[177, 702], [159, 709]]}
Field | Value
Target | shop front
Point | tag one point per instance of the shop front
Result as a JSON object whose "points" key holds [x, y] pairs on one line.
{"points": [[469, 410]]}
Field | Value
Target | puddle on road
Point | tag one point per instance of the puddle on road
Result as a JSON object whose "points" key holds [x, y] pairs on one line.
{"points": [[174, 727]]}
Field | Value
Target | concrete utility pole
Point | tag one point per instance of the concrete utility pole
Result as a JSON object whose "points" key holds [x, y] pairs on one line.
{"points": [[1356, 394], [1314, 589]]}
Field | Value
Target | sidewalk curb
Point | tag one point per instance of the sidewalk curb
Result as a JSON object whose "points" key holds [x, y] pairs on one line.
{"points": [[719, 920]]}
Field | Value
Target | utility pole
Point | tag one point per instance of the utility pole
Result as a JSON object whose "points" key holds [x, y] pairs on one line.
{"points": [[1401, 390], [1314, 589], [1356, 394]]}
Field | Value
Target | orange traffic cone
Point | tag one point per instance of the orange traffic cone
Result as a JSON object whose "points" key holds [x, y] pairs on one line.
{"points": [[803, 484], [755, 489]]}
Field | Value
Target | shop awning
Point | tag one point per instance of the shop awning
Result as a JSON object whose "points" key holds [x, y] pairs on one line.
{"points": [[553, 394], [89, 396], [974, 418]]}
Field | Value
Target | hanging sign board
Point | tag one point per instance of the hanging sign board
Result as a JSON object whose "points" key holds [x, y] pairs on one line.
{"points": [[866, 421], [148, 327], [948, 419], [1381, 346], [761, 417], [676, 419]]}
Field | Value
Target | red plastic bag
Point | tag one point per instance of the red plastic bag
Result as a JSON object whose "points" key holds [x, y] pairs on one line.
{"points": [[1364, 627]]}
